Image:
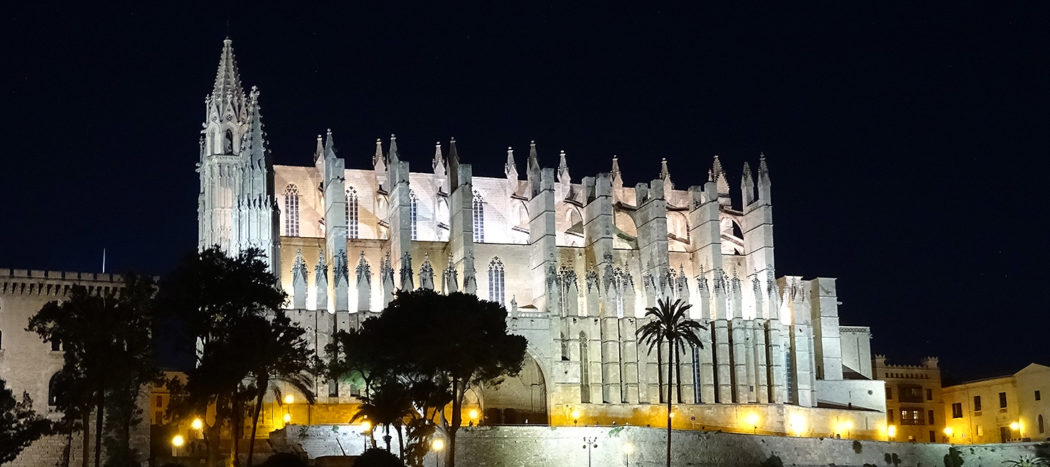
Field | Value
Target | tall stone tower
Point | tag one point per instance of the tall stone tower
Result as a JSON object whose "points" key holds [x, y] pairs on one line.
{"points": [[237, 209]]}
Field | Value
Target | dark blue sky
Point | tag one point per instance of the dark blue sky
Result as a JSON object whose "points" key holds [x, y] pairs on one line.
{"points": [[907, 144]]}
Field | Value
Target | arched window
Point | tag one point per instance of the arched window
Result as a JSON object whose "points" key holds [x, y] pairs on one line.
{"points": [[412, 212], [227, 142], [496, 290], [52, 390], [351, 213], [479, 218], [291, 211]]}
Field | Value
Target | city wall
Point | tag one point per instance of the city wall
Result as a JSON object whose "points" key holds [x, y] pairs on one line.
{"points": [[542, 445]]}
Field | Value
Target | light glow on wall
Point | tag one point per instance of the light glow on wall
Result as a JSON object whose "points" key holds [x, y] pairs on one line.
{"points": [[798, 424]]}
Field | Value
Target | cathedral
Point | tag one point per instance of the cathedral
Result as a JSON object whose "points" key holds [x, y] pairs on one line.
{"points": [[575, 263]]}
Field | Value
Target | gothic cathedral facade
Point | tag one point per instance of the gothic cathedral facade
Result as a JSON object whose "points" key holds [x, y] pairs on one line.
{"points": [[575, 262]]}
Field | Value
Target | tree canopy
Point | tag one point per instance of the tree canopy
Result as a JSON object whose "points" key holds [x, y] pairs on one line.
{"points": [[19, 424], [435, 347]]}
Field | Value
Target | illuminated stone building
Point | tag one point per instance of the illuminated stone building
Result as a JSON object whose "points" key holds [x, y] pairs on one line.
{"points": [[913, 399], [575, 261], [1001, 409]]}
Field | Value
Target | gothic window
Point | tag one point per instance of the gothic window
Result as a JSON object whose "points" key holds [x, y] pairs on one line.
{"points": [[351, 213], [52, 390], [496, 281], [696, 374], [291, 211], [479, 218], [412, 212], [227, 142]]}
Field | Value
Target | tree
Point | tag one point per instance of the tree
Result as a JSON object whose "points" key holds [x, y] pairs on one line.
{"points": [[107, 352], [389, 405], [19, 424], [278, 353], [670, 323], [244, 341], [437, 347]]}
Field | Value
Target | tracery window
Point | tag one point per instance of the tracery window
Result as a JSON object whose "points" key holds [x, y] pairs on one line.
{"points": [[351, 213], [412, 212], [496, 284], [291, 211], [479, 218]]}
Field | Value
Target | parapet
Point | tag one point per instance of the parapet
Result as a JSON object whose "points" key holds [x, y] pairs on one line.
{"points": [[56, 283]]}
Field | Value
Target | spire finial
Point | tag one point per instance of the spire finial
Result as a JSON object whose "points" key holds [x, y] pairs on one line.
{"points": [[378, 161], [534, 163], [393, 155]]}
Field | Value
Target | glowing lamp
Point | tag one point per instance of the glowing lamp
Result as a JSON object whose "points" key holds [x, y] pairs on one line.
{"points": [[473, 414], [628, 448], [575, 415], [178, 441], [437, 445], [289, 399], [891, 431], [798, 423], [948, 431], [366, 426], [287, 417], [671, 415], [752, 419], [1014, 426], [197, 424]]}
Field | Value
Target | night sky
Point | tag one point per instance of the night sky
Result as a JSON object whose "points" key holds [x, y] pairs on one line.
{"points": [[907, 145]]}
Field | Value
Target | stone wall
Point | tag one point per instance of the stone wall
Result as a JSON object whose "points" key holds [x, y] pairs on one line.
{"points": [[527, 446]]}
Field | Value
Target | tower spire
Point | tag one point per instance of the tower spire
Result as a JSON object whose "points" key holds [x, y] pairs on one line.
{"points": [[563, 168], [439, 160], [329, 147], [394, 158], [510, 168], [227, 96], [665, 174]]}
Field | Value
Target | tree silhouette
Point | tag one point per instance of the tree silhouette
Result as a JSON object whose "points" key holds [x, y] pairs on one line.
{"points": [[669, 322], [19, 424]]}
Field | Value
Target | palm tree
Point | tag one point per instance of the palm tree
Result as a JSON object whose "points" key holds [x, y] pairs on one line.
{"points": [[388, 405], [670, 323]]}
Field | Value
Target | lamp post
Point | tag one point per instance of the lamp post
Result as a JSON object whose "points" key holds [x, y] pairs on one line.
{"points": [[437, 445], [588, 444], [627, 450], [366, 429]]}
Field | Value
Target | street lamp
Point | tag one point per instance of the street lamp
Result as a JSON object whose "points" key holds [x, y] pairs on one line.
{"points": [[366, 429], [891, 432], [752, 419], [197, 424], [289, 399], [948, 433], [575, 416], [176, 442], [437, 445], [473, 414], [588, 444], [627, 450]]}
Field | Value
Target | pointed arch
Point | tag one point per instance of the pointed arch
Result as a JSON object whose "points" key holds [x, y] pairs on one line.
{"points": [[227, 142], [413, 213], [478, 210], [496, 281], [585, 373], [52, 390], [352, 230], [291, 211]]}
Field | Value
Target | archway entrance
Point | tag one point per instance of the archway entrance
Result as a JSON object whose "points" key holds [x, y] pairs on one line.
{"points": [[518, 400]]}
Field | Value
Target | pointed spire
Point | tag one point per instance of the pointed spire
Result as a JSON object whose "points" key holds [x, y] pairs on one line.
{"points": [[747, 185], [438, 163], [393, 157], [378, 160], [665, 175], [720, 177], [563, 168], [453, 153], [534, 161], [764, 184], [227, 97], [510, 168], [256, 137], [319, 150], [329, 147]]}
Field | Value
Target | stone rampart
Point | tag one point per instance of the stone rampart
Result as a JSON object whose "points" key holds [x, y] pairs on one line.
{"points": [[554, 446]]}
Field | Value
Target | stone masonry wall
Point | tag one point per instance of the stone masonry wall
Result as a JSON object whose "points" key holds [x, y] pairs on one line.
{"points": [[530, 446]]}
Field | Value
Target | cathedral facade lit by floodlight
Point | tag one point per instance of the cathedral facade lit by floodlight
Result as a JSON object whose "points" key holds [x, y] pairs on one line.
{"points": [[576, 262]]}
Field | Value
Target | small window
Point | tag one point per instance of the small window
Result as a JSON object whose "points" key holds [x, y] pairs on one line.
{"points": [[957, 410], [929, 394], [912, 417], [1037, 397], [976, 403], [889, 393], [1040, 424], [56, 345], [333, 388], [929, 417], [889, 416], [1002, 400]]}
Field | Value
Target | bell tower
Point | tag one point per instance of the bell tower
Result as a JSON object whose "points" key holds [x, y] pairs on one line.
{"points": [[236, 206]]}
